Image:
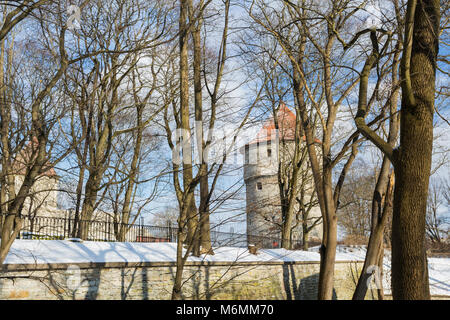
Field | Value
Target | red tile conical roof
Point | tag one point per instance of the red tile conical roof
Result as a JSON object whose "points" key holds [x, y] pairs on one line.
{"points": [[286, 126]]}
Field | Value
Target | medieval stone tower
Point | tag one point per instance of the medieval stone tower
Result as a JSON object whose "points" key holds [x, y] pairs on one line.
{"points": [[264, 157], [43, 197]]}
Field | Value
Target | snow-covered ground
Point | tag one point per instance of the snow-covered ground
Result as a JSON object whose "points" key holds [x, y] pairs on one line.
{"points": [[56, 251], [438, 269]]}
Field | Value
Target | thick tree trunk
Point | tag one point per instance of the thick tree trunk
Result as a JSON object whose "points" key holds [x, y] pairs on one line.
{"points": [[328, 247], [375, 246], [205, 228], [10, 230], [185, 199], [82, 162], [87, 209], [204, 235], [98, 156], [288, 202], [177, 285], [127, 202], [305, 235], [380, 289], [329, 241], [413, 159], [192, 216], [289, 192]]}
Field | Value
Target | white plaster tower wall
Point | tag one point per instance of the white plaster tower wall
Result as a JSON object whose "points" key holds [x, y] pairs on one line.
{"points": [[272, 150], [262, 191]]}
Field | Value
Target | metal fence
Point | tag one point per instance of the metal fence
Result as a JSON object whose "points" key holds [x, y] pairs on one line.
{"points": [[53, 228]]}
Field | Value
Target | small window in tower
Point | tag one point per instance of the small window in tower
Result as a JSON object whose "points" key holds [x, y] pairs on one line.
{"points": [[259, 185], [269, 152], [247, 154]]}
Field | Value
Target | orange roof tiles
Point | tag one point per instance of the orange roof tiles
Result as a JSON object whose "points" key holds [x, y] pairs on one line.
{"points": [[286, 126]]}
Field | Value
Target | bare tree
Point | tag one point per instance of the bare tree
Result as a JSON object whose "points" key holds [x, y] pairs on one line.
{"points": [[167, 217], [356, 199], [101, 93], [382, 195], [436, 222], [38, 126], [412, 160], [189, 236], [308, 34]]}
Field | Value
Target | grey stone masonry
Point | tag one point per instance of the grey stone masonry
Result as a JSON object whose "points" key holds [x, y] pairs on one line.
{"points": [[154, 280]]}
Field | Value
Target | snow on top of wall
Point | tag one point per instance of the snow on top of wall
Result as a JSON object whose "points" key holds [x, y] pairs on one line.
{"points": [[57, 251]]}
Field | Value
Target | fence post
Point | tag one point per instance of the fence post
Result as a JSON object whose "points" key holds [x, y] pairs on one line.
{"points": [[108, 219], [169, 230], [142, 229], [105, 237]]}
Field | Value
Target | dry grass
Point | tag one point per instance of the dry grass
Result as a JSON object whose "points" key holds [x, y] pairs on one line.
{"points": [[438, 249], [354, 240]]}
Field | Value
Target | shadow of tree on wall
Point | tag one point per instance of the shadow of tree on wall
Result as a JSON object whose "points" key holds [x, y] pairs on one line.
{"points": [[144, 284], [306, 289], [59, 283], [290, 282], [200, 284], [93, 279], [208, 293], [125, 275]]}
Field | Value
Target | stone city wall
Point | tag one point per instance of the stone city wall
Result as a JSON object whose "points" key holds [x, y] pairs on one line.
{"points": [[153, 280]]}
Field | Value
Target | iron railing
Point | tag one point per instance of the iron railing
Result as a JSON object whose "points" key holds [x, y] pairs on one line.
{"points": [[57, 228]]}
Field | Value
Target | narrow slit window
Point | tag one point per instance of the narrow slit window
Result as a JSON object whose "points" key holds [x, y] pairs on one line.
{"points": [[259, 185], [247, 154]]}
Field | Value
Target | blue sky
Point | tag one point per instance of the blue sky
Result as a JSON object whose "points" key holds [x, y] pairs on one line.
{"points": [[233, 182]]}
